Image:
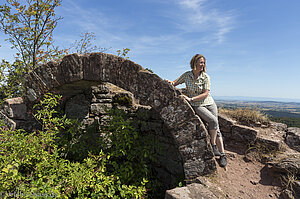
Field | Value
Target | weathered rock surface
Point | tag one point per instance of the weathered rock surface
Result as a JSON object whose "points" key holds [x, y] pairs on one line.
{"points": [[8, 122], [285, 165], [292, 138], [282, 165], [236, 135], [191, 191], [278, 126], [202, 188], [14, 113], [15, 108]]}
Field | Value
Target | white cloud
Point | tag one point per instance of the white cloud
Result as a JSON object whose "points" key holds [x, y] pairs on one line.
{"points": [[193, 4], [193, 17], [199, 16]]}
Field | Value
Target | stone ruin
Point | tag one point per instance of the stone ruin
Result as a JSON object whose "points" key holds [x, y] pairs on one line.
{"points": [[92, 82]]}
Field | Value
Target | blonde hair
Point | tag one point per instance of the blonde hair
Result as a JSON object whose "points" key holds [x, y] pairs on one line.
{"points": [[195, 59]]}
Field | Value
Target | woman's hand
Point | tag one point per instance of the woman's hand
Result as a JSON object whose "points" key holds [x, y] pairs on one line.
{"points": [[186, 98], [169, 81]]}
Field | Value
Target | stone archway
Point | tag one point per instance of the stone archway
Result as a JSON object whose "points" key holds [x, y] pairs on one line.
{"points": [[149, 89]]}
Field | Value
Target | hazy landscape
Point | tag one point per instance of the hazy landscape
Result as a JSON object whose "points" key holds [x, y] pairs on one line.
{"points": [[285, 112]]}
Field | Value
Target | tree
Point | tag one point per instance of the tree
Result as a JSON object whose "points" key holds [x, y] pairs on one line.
{"points": [[11, 78], [30, 27], [84, 45]]}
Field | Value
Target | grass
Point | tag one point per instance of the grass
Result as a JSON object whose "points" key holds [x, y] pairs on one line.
{"points": [[246, 116], [288, 181], [262, 152]]}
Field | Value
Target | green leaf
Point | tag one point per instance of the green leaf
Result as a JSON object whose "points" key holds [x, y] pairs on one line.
{"points": [[5, 170]]}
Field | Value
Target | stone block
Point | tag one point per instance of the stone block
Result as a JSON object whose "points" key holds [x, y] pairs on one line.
{"points": [[196, 148], [77, 107], [225, 124], [292, 138], [71, 68], [100, 89], [285, 165], [191, 191], [15, 108], [243, 134], [100, 108], [269, 143], [278, 126]]}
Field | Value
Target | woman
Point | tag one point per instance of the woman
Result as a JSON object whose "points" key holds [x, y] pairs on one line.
{"points": [[197, 84]]}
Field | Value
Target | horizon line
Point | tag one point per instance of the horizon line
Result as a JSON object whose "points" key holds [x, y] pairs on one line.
{"points": [[247, 98]]}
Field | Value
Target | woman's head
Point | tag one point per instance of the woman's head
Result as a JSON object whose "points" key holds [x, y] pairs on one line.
{"points": [[198, 60]]}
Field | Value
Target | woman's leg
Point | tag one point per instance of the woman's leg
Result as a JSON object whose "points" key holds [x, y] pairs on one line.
{"points": [[209, 118], [223, 160], [220, 145], [212, 121], [219, 140]]}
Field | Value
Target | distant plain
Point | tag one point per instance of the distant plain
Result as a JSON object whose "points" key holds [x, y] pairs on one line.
{"points": [[284, 112]]}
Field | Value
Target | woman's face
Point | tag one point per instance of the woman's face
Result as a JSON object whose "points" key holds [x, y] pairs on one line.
{"points": [[200, 63]]}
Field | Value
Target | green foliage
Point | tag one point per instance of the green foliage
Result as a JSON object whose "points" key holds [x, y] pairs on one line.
{"points": [[123, 100], [30, 164], [77, 144], [123, 52], [11, 76], [129, 151], [29, 25], [148, 69], [289, 121]]}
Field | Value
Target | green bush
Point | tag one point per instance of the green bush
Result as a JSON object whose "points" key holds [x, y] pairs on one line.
{"points": [[31, 165], [131, 154]]}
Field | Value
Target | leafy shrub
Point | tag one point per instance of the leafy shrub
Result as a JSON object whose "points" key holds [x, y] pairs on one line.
{"points": [[31, 165], [131, 153]]}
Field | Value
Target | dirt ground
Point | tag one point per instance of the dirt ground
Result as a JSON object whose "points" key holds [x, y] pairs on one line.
{"points": [[246, 179]]}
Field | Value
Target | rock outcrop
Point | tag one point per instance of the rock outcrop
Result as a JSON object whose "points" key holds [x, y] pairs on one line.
{"points": [[282, 164], [292, 138]]}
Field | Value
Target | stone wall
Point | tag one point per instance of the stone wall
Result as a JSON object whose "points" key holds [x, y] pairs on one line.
{"points": [[80, 78], [91, 105]]}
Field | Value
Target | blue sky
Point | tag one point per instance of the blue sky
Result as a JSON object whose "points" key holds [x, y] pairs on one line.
{"points": [[252, 47]]}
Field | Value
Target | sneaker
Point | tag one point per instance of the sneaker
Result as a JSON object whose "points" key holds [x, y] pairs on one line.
{"points": [[215, 150], [223, 161]]}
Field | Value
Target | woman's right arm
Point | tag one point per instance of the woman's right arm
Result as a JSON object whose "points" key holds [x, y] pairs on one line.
{"points": [[174, 83], [178, 81]]}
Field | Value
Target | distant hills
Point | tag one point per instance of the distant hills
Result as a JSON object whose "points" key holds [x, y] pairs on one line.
{"points": [[261, 99], [278, 111]]}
